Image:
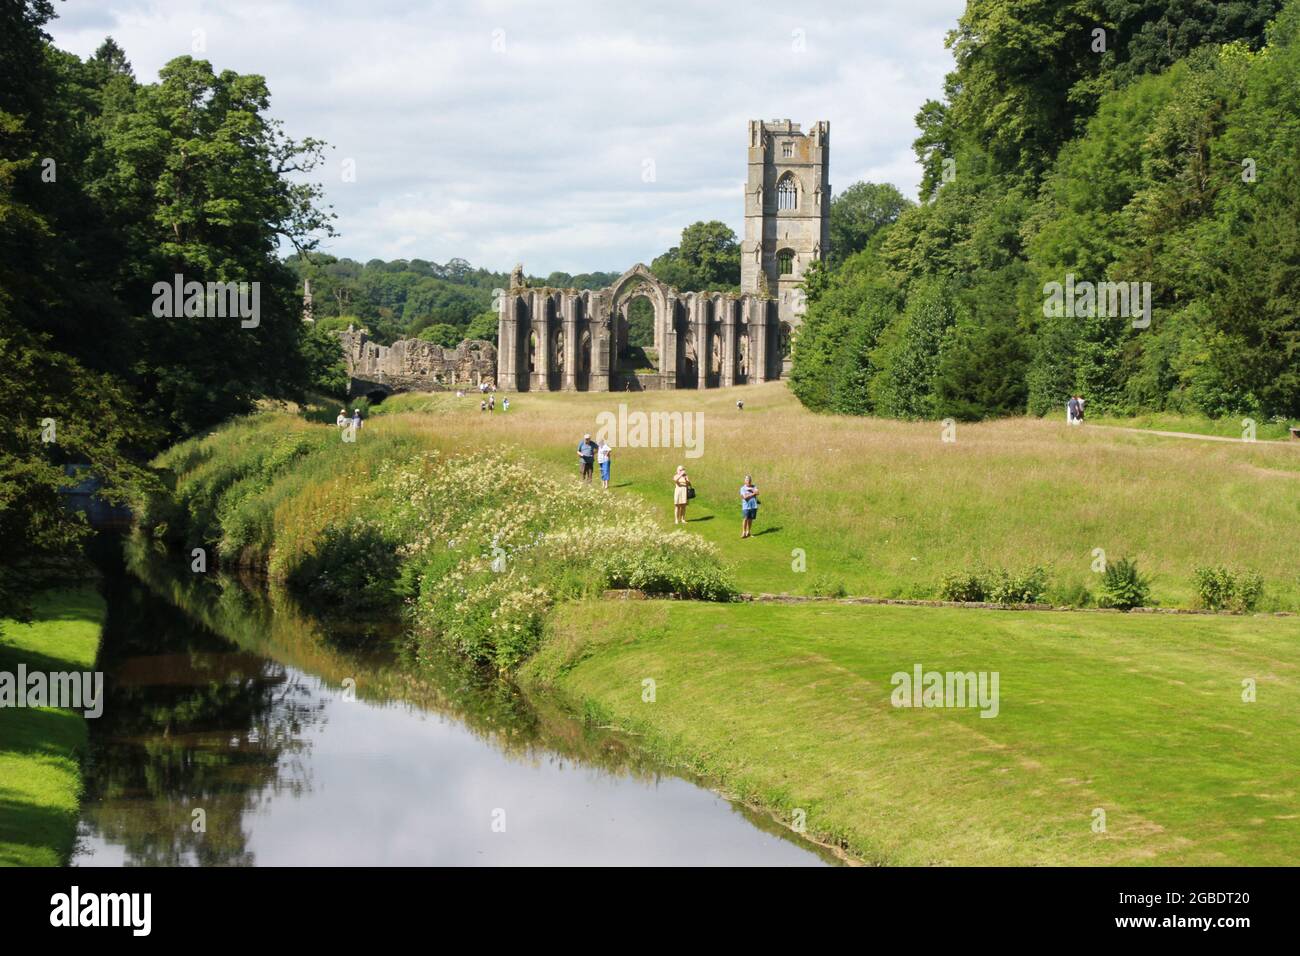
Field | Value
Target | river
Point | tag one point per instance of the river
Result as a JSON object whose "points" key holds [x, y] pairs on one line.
{"points": [[240, 730]]}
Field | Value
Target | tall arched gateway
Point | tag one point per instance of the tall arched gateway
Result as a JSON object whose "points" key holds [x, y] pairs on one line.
{"points": [[701, 339]]}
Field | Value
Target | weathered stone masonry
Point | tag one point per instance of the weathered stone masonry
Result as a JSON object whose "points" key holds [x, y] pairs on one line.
{"points": [[414, 365], [565, 340]]}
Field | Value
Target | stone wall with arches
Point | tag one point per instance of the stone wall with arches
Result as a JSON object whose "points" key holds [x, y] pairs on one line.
{"points": [[573, 340]]}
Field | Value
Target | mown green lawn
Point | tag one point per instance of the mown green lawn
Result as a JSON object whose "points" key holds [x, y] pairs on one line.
{"points": [[41, 748], [1139, 716]]}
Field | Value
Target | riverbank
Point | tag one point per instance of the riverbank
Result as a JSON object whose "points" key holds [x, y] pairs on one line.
{"points": [[41, 748], [1120, 739], [1137, 726]]}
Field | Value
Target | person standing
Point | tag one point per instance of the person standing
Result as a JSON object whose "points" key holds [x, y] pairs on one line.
{"points": [[505, 404], [586, 455], [681, 494], [356, 419], [748, 506], [1071, 410], [342, 421], [602, 458]]}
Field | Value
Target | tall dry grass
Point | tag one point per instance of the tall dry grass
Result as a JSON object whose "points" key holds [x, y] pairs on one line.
{"points": [[888, 507]]}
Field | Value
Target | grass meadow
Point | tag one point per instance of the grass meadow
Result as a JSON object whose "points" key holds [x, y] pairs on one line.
{"points": [[41, 747], [886, 508]]}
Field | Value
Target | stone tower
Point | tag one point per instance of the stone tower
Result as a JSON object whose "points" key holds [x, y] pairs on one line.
{"points": [[787, 210]]}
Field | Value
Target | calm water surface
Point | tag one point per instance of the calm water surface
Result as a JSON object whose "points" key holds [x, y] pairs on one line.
{"points": [[302, 744]]}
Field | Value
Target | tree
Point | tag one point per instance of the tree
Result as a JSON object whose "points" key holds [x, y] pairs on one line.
{"points": [[981, 371], [440, 333], [326, 369], [707, 259], [908, 354], [859, 214], [483, 326]]}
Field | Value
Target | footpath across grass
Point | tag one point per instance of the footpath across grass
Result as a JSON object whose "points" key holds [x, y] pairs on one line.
{"points": [[1236, 428], [1135, 722], [41, 748]]}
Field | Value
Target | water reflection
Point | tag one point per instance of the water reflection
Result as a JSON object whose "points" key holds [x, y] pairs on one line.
{"points": [[306, 744]]}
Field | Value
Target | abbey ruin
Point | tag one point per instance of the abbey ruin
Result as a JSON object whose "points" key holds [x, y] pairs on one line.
{"points": [[577, 340]]}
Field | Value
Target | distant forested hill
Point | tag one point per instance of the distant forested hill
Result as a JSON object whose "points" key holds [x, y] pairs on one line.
{"points": [[408, 298]]}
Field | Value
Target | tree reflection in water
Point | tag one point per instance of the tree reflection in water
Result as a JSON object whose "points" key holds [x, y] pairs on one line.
{"points": [[191, 722]]}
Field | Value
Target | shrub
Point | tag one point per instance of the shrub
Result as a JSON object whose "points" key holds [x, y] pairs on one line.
{"points": [[1123, 587], [1073, 594], [1220, 589], [354, 568], [962, 586], [998, 586], [1027, 587], [826, 586]]}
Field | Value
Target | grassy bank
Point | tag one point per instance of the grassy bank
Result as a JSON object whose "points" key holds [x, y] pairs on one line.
{"points": [[887, 508], [41, 748], [478, 523], [479, 541], [789, 707]]}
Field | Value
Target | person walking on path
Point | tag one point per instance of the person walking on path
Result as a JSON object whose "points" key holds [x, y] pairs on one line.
{"points": [[586, 455], [602, 459], [682, 493], [748, 506], [505, 404]]}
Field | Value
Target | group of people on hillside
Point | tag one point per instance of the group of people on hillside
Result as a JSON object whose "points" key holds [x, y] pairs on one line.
{"points": [[591, 454]]}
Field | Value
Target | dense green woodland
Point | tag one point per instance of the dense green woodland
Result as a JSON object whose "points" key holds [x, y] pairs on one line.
{"points": [[1166, 152], [107, 186]]}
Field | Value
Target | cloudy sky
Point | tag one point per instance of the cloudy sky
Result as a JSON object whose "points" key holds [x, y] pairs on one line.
{"points": [[566, 135]]}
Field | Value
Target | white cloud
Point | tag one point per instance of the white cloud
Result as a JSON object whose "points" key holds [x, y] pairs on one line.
{"points": [[503, 132]]}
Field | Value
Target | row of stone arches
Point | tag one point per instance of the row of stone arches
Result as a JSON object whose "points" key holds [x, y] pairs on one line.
{"points": [[571, 340], [557, 360]]}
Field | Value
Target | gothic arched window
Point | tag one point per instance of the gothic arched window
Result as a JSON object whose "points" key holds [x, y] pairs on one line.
{"points": [[785, 259], [787, 194]]}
